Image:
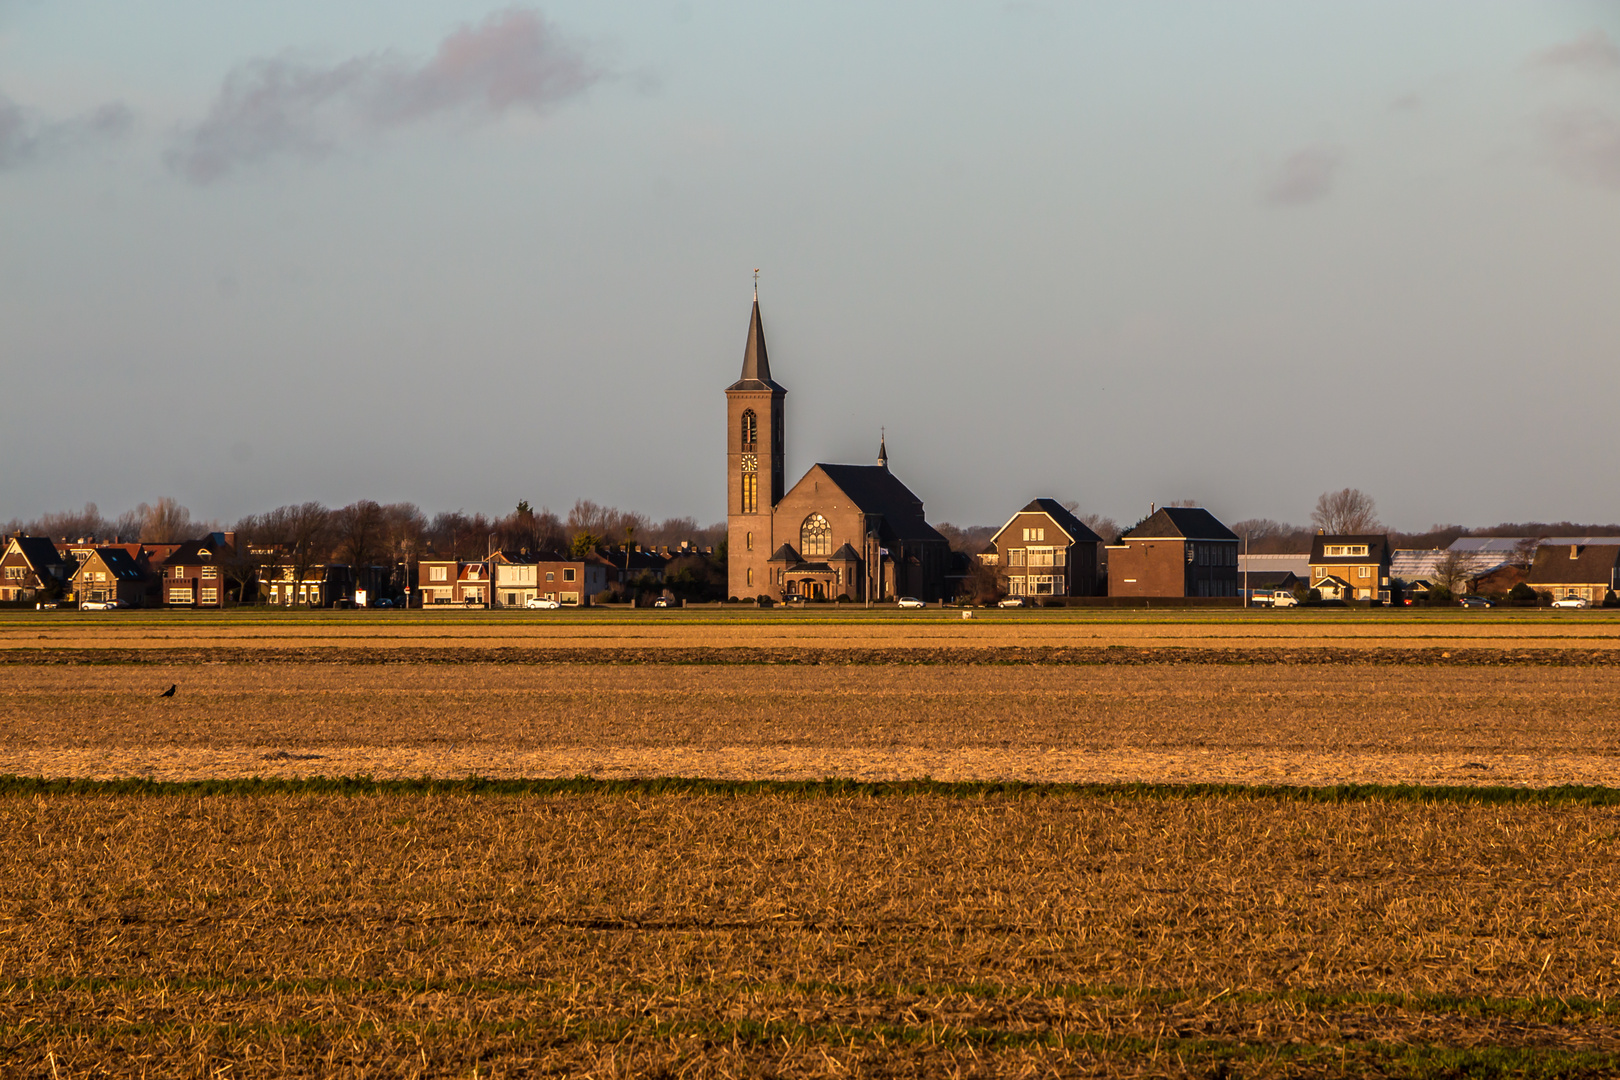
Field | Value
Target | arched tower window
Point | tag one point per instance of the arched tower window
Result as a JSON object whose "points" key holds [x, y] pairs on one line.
{"points": [[750, 429], [815, 536], [750, 484]]}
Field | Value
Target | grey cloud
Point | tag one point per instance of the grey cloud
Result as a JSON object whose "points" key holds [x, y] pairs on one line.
{"points": [[1585, 143], [270, 108], [1593, 49], [1305, 177], [23, 139]]}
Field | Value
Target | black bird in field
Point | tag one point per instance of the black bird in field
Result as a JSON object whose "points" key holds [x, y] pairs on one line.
{"points": [[170, 691]]}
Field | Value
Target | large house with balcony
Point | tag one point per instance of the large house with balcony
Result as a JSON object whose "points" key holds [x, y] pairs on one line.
{"points": [[1044, 550]]}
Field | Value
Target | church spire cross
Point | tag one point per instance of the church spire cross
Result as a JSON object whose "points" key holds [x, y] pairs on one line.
{"points": [[883, 447]]}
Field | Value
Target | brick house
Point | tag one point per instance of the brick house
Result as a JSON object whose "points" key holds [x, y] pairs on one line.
{"points": [[113, 573], [1589, 571], [32, 569], [1044, 550], [570, 581], [1351, 567], [1176, 551], [194, 576]]}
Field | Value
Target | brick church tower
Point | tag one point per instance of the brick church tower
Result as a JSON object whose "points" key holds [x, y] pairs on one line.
{"points": [[755, 469]]}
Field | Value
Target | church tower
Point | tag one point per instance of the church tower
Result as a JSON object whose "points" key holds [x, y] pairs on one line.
{"points": [[755, 469]]}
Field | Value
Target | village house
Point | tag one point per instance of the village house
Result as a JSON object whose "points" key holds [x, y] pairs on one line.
{"points": [[193, 576], [514, 576], [1351, 567], [1044, 550], [1177, 551], [1587, 571], [113, 574], [570, 581], [32, 570]]}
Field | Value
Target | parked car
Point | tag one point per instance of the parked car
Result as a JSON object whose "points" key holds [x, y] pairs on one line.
{"points": [[1474, 601], [666, 601], [910, 601], [1012, 601], [1572, 601], [542, 603], [381, 602], [100, 605]]}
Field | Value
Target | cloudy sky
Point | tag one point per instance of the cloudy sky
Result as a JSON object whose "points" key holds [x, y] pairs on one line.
{"points": [[262, 252]]}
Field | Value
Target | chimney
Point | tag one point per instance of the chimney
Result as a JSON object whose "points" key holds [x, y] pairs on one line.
{"points": [[1574, 551]]}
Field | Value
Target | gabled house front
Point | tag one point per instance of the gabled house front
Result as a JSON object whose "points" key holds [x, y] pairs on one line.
{"points": [[1044, 550], [1351, 567], [112, 573], [32, 569]]}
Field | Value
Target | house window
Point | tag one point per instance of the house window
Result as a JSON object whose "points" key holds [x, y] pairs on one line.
{"points": [[179, 596], [570, 597], [1363, 571], [568, 573], [815, 536], [208, 572], [437, 573], [1036, 535], [1015, 557], [1344, 551], [551, 575], [208, 596]]}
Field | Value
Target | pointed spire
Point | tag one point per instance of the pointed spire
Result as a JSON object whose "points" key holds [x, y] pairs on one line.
{"points": [[756, 365], [883, 448]]}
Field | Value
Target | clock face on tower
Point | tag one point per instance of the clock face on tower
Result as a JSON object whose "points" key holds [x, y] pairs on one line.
{"points": [[750, 463]]}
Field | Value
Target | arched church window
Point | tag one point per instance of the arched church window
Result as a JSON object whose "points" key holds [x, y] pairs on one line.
{"points": [[750, 484], [815, 536], [750, 429]]}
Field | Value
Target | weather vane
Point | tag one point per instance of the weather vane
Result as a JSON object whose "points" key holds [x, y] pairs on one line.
{"points": [[756, 283]]}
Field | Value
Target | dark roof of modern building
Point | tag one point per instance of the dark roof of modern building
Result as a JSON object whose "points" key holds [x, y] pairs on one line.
{"points": [[876, 490], [1377, 548], [1591, 564], [756, 368], [1064, 518], [1270, 579], [40, 551], [1180, 523]]}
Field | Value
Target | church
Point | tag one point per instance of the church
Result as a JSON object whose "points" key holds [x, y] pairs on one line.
{"points": [[843, 531]]}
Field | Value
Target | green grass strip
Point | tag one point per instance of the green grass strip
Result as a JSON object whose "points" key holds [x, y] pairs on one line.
{"points": [[1563, 795]]}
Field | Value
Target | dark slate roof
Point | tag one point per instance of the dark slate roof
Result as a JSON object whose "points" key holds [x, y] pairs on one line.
{"points": [[756, 369], [1593, 564], [1180, 523], [786, 554], [190, 553], [40, 551], [845, 554], [876, 490], [1377, 549], [120, 563], [1066, 521]]}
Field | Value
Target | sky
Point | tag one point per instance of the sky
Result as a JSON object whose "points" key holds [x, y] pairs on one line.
{"points": [[1121, 253]]}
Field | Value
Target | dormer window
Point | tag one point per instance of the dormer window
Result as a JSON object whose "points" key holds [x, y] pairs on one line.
{"points": [[1344, 551]]}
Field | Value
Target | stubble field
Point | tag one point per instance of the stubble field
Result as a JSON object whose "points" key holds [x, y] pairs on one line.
{"points": [[724, 927]]}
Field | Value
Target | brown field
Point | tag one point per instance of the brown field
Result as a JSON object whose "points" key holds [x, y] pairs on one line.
{"points": [[690, 935], [695, 933]]}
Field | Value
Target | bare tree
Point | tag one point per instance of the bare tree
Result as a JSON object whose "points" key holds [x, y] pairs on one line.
{"points": [[1452, 572], [360, 529], [1524, 552], [302, 533], [72, 524], [1103, 525], [1350, 512], [165, 523]]}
